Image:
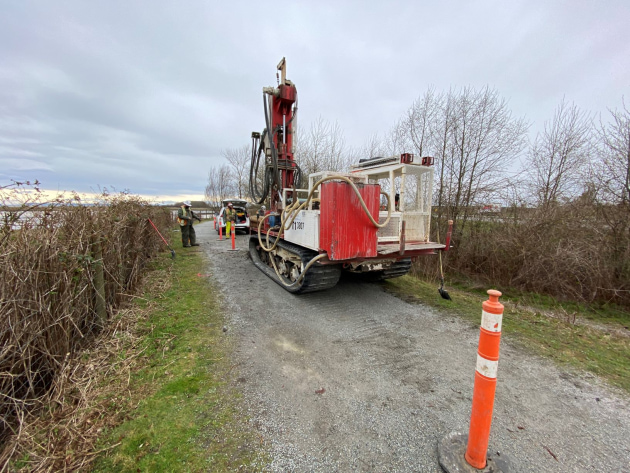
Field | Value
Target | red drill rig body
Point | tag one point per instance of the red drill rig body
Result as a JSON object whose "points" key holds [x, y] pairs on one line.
{"points": [[371, 221]]}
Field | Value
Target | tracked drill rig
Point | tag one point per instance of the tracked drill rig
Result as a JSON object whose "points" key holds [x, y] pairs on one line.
{"points": [[371, 221]]}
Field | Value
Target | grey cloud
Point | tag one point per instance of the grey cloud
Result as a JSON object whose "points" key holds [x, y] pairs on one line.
{"points": [[145, 95]]}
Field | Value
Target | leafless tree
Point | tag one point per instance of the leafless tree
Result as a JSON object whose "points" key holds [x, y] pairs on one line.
{"points": [[322, 148], [474, 139], [559, 155], [397, 140], [611, 173], [581, 249], [240, 160], [220, 185], [429, 124], [486, 140], [614, 150], [422, 121], [373, 147]]}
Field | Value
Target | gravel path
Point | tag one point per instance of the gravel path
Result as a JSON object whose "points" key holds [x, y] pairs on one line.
{"points": [[354, 379]]}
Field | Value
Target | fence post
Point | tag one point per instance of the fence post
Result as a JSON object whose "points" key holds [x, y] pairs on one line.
{"points": [[99, 282]]}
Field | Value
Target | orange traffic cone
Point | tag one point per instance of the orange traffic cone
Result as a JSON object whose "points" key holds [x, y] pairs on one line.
{"points": [[485, 380], [458, 452], [233, 232]]}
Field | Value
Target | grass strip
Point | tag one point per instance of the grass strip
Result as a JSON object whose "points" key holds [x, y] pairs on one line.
{"points": [[543, 325], [186, 417]]}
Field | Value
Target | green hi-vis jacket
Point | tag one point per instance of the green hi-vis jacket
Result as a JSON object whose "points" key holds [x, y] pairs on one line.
{"points": [[185, 216], [230, 215]]}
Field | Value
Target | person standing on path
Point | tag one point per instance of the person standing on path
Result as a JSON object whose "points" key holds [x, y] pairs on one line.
{"points": [[185, 217], [230, 218]]}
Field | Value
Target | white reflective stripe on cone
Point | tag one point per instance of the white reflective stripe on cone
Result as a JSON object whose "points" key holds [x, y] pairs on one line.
{"points": [[491, 322], [486, 367]]}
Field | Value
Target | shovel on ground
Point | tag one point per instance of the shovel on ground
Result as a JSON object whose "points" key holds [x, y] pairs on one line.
{"points": [[443, 292], [165, 242]]}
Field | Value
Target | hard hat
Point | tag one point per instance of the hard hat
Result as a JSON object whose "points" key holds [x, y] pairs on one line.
{"points": [[230, 205], [263, 207], [187, 203]]}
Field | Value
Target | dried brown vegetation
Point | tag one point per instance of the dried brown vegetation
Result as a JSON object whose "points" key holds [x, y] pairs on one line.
{"points": [[565, 225], [572, 252], [50, 255]]}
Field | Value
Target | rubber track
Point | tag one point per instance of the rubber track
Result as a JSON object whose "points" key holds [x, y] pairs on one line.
{"points": [[395, 270], [318, 278]]}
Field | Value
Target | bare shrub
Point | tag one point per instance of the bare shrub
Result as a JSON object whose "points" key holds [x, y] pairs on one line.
{"points": [[552, 252], [563, 250], [611, 176], [47, 292], [82, 403]]}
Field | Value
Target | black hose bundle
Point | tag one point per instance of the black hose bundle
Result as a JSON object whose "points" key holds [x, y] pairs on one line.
{"points": [[270, 136], [271, 174], [257, 194]]}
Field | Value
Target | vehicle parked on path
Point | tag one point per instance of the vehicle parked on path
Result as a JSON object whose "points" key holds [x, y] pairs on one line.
{"points": [[242, 217], [370, 221]]}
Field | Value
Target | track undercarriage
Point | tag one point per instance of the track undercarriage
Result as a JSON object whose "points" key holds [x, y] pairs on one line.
{"points": [[389, 270], [291, 260]]}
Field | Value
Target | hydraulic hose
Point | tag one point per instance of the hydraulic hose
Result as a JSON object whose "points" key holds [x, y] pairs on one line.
{"points": [[271, 174], [253, 169], [274, 153], [256, 193], [291, 213]]}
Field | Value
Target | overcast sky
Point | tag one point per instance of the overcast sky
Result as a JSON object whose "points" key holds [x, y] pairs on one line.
{"points": [[144, 96]]}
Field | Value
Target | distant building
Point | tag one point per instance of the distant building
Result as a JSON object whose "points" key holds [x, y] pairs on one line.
{"points": [[491, 208], [195, 204]]}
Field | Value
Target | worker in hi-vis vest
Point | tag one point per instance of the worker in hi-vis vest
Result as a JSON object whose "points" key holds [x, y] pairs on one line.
{"points": [[230, 218], [185, 217]]}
